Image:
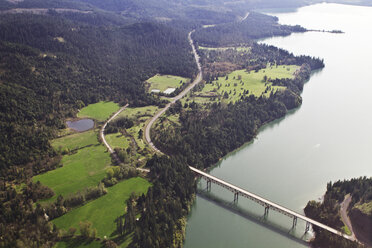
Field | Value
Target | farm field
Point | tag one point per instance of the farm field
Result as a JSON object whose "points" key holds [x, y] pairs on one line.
{"points": [[77, 243], [76, 140], [135, 113], [97, 211], [163, 82], [241, 82], [83, 169], [99, 111], [117, 140]]}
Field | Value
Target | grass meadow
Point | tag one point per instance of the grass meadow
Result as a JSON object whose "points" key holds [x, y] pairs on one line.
{"points": [[239, 81], [163, 82], [103, 211], [85, 168], [99, 111]]}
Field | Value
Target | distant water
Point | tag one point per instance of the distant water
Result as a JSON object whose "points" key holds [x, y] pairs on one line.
{"points": [[81, 125], [328, 138]]}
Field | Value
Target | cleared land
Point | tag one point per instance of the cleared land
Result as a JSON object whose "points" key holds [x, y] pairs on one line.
{"points": [[83, 169], [163, 82], [76, 140], [139, 115], [238, 83], [78, 243], [103, 211], [136, 113], [99, 111], [117, 140]]}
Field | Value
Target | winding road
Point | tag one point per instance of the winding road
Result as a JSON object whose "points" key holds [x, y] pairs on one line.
{"points": [[197, 80], [345, 218]]}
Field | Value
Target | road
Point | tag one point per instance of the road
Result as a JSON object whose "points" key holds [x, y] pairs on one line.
{"points": [[197, 80], [345, 218], [102, 132], [109, 148]]}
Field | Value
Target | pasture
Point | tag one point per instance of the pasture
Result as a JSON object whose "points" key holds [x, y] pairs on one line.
{"points": [[242, 83], [80, 170], [99, 111], [103, 211], [163, 82]]}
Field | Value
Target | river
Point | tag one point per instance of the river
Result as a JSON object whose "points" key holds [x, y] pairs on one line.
{"points": [[290, 162]]}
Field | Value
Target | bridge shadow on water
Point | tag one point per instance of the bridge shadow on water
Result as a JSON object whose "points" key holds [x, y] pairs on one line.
{"points": [[261, 220]]}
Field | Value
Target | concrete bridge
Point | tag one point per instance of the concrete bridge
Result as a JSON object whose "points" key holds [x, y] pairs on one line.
{"points": [[268, 205]]}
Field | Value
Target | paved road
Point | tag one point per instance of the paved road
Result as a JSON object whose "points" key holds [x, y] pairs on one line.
{"points": [[197, 80], [345, 218], [109, 148], [102, 132]]}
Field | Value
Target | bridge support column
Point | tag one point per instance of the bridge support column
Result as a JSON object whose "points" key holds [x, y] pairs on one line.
{"points": [[307, 227], [267, 207], [209, 183], [236, 196], [294, 221]]}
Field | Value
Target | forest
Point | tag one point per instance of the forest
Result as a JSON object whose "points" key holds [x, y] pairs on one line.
{"points": [[327, 212], [50, 67], [255, 26]]}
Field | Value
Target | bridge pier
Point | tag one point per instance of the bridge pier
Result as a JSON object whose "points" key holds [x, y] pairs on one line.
{"points": [[236, 196], [294, 221], [307, 227], [267, 207], [209, 184]]}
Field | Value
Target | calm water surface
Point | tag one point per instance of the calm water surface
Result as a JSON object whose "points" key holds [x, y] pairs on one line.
{"points": [[81, 125], [328, 138]]}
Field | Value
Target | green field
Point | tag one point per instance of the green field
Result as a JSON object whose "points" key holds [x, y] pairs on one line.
{"points": [[76, 140], [135, 113], [83, 169], [163, 82], [117, 140], [241, 80], [103, 211], [78, 243], [99, 111]]}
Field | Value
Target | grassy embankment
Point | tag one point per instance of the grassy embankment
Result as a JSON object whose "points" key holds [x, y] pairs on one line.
{"points": [[163, 82], [240, 81]]}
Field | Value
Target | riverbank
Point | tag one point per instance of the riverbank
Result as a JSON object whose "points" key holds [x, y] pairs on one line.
{"points": [[292, 161]]}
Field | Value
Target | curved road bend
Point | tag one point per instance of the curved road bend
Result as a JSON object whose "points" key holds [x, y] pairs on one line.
{"points": [[345, 218], [102, 132], [109, 148], [197, 80]]}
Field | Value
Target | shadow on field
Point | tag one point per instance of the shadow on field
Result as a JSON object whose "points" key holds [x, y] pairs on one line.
{"points": [[76, 242]]}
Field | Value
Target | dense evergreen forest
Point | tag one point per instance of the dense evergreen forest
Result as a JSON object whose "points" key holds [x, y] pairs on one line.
{"points": [[327, 212], [255, 26], [50, 67]]}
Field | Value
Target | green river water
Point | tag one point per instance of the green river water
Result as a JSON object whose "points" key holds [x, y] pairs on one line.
{"points": [[328, 138]]}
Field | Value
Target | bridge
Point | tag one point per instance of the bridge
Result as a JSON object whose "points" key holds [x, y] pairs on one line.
{"points": [[268, 205]]}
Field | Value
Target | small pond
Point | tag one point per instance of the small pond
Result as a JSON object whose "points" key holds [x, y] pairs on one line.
{"points": [[81, 125]]}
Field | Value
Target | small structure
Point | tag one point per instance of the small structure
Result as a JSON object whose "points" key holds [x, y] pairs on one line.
{"points": [[155, 91], [169, 91]]}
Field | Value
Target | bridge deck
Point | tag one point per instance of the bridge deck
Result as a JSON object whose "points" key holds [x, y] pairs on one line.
{"points": [[266, 202]]}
